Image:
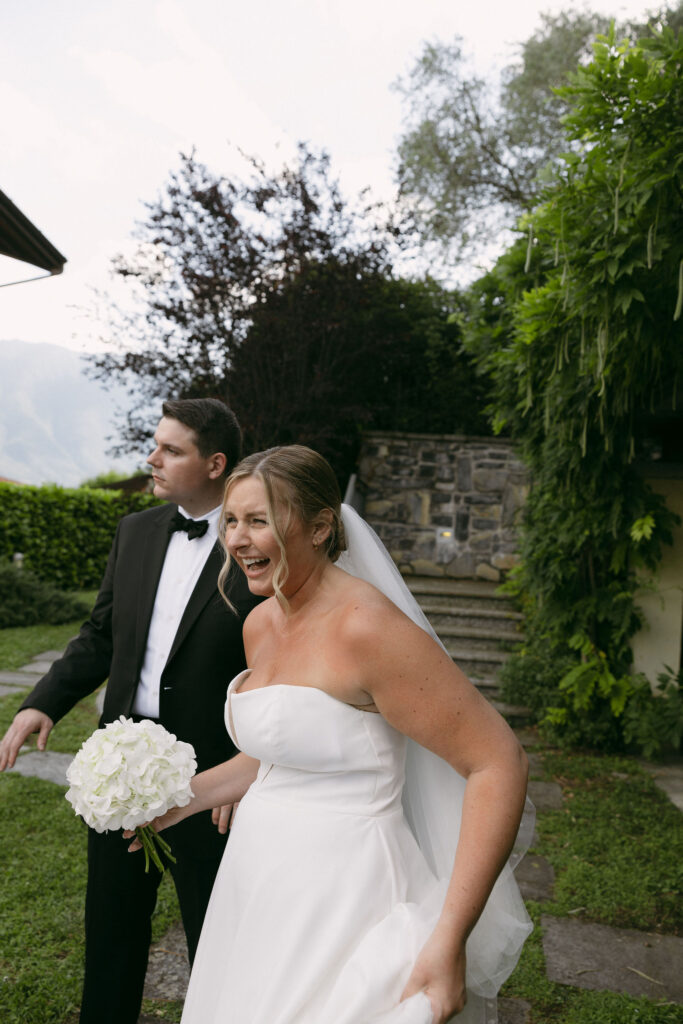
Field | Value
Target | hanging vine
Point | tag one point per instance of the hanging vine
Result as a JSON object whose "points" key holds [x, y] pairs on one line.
{"points": [[578, 326]]}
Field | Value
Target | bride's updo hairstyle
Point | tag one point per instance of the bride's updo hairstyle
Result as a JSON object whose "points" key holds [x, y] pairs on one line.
{"points": [[299, 483]]}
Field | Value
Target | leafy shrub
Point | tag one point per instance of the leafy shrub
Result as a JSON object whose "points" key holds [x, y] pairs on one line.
{"points": [[64, 535], [26, 600], [587, 709], [583, 704], [653, 721], [531, 676]]}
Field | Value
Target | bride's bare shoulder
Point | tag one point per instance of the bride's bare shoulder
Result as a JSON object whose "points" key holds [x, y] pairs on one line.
{"points": [[365, 609], [258, 618]]}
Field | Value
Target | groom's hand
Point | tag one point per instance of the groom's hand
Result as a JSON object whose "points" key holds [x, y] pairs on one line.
{"points": [[224, 816], [25, 722]]}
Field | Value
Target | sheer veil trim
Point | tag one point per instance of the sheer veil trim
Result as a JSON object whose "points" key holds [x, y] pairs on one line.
{"points": [[433, 791]]}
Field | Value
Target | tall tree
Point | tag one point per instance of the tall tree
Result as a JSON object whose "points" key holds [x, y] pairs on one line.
{"points": [[473, 150], [209, 254], [279, 296]]}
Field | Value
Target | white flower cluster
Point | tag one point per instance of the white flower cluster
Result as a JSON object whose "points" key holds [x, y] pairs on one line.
{"points": [[128, 773]]}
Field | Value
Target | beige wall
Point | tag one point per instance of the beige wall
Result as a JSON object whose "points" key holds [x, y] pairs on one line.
{"points": [[659, 644]]}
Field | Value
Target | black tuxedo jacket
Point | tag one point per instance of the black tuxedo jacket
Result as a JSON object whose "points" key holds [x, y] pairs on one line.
{"points": [[206, 653]]}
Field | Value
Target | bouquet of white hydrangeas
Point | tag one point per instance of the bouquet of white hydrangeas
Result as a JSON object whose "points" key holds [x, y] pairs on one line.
{"points": [[128, 773]]}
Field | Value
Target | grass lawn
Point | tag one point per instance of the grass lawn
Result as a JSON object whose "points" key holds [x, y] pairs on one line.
{"points": [[19, 645], [616, 846], [43, 867], [617, 849], [43, 857]]}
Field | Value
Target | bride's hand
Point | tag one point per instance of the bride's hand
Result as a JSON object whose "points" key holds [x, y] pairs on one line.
{"points": [[439, 972], [171, 817]]}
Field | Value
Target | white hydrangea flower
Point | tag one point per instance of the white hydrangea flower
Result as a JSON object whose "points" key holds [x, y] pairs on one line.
{"points": [[128, 773]]}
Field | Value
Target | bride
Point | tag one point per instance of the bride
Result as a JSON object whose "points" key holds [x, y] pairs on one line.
{"points": [[379, 794]]}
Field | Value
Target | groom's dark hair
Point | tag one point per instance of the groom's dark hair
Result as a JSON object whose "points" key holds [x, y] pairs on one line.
{"points": [[214, 424]]}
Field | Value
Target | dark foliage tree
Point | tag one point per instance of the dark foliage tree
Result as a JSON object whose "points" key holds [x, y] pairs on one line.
{"points": [[340, 349], [279, 297], [210, 252]]}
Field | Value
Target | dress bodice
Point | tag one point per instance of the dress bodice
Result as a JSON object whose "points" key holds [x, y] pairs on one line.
{"points": [[317, 746]]}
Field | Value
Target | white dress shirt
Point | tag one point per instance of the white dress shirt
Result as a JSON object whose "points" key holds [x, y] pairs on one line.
{"points": [[183, 564]]}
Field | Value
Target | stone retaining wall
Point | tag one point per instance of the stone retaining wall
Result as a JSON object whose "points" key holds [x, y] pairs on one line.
{"points": [[443, 505]]}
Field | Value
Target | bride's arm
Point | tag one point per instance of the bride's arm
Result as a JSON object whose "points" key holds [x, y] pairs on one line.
{"points": [[419, 690], [225, 784]]}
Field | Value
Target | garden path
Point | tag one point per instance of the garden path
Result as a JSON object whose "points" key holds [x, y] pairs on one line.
{"points": [[577, 953]]}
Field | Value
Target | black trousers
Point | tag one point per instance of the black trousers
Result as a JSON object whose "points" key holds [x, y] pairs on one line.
{"points": [[120, 899]]}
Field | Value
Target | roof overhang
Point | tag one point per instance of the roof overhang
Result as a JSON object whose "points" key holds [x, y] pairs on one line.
{"points": [[21, 240]]}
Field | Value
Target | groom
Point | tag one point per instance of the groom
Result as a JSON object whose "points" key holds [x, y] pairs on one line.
{"points": [[168, 644]]}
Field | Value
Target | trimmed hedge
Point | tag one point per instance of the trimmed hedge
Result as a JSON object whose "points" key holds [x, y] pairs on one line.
{"points": [[64, 534], [27, 601]]}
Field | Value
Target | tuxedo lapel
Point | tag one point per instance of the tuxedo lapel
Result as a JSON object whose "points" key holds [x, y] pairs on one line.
{"points": [[205, 589], [154, 546]]}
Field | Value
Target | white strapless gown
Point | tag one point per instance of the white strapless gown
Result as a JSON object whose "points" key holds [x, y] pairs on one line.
{"points": [[323, 899]]}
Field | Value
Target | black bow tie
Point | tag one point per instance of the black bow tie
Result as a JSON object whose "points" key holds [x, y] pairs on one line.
{"points": [[192, 527]]}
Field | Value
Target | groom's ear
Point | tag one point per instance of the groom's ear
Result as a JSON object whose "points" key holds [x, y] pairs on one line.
{"points": [[216, 465]]}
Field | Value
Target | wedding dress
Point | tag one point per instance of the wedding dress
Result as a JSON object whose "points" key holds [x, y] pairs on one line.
{"points": [[329, 886]]}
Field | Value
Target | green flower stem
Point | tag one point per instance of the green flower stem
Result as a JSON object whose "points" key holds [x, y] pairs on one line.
{"points": [[152, 843]]}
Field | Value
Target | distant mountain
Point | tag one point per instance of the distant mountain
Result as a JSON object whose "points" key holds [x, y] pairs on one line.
{"points": [[54, 422]]}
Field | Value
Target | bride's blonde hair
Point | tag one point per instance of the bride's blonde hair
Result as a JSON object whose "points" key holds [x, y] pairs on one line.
{"points": [[298, 482]]}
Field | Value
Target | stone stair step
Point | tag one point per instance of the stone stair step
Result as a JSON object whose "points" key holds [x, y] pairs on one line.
{"points": [[470, 654], [469, 602], [458, 593], [516, 715], [474, 609], [484, 645], [479, 637], [473, 603], [478, 628], [488, 685], [451, 585]]}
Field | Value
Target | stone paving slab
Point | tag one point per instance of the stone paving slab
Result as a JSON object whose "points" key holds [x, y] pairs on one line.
{"points": [[668, 778], [36, 667], [545, 796], [527, 736], [535, 763], [49, 656], [513, 1011], [168, 968], [168, 974], [46, 765], [535, 877], [7, 691], [20, 679], [595, 956]]}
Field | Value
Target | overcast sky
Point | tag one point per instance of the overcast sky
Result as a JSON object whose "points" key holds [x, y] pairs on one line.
{"points": [[98, 97]]}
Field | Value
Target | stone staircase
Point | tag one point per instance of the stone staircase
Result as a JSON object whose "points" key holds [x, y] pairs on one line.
{"points": [[478, 627]]}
